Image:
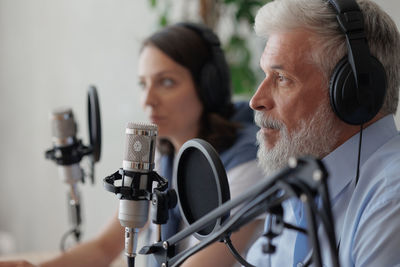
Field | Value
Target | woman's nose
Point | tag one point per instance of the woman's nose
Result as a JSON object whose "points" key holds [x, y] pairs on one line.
{"points": [[150, 97]]}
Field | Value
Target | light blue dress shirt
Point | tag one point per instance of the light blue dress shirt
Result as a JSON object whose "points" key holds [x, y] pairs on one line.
{"points": [[366, 215]]}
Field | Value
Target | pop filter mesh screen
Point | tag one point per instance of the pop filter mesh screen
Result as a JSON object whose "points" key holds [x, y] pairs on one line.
{"points": [[197, 189]]}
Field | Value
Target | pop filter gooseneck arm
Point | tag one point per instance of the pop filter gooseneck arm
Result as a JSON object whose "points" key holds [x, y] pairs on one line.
{"points": [[264, 196]]}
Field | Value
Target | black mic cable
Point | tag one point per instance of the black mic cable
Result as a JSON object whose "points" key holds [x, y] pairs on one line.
{"points": [[131, 261], [359, 154], [358, 166]]}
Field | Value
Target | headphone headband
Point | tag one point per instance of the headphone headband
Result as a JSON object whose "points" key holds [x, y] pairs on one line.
{"points": [[351, 22], [204, 32]]}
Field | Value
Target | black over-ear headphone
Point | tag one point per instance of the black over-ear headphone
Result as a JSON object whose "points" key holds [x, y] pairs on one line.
{"points": [[214, 78], [358, 83]]}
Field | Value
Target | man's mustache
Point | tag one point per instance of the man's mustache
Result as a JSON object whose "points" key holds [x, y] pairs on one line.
{"points": [[266, 121]]}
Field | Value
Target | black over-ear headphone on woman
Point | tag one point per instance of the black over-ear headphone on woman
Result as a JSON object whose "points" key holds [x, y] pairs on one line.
{"points": [[214, 78], [358, 83]]}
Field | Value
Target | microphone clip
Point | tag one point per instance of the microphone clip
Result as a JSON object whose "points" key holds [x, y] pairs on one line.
{"points": [[67, 155], [133, 192]]}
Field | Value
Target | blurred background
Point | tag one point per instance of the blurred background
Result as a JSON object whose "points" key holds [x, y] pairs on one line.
{"points": [[50, 52]]}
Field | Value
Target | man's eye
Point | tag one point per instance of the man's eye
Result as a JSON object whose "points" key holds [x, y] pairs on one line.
{"points": [[282, 78]]}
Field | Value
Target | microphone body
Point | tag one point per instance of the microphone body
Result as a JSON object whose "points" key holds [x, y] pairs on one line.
{"points": [[138, 162], [67, 152]]}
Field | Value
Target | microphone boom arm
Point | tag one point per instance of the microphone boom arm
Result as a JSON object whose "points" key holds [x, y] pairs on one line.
{"points": [[306, 171]]}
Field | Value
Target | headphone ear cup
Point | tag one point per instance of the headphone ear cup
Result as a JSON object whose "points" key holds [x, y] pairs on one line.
{"points": [[357, 106], [215, 81], [214, 77], [210, 82]]}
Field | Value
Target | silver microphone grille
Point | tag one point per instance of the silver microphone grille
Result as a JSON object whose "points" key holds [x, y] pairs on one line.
{"points": [[140, 143], [63, 126]]}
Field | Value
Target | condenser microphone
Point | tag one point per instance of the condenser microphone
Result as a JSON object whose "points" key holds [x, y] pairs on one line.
{"points": [[63, 131], [135, 185], [68, 151], [138, 162]]}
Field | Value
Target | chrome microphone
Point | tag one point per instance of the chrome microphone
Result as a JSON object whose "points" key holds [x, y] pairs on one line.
{"points": [[135, 185], [67, 152], [138, 162], [64, 128]]}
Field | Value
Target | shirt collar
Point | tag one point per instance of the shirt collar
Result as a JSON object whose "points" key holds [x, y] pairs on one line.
{"points": [[341, 163]]}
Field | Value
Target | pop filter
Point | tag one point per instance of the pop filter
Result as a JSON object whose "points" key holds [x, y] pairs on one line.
{"points": [[201, 184], [94, 123]]}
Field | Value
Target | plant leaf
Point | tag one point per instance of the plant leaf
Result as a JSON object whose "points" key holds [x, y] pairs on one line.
{"points": [[153, 3]]}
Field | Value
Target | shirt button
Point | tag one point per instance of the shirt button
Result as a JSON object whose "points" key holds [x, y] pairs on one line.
{"points": [[300, 264]]}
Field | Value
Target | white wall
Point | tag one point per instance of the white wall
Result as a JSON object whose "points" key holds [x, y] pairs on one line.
{"points": [[50, 51]]}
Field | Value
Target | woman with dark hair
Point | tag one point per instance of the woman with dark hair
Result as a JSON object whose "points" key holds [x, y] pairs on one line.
{"points": [[186, 91]]}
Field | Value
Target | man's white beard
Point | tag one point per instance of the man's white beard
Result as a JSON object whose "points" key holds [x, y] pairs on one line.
{"points": [[316, 136]]}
